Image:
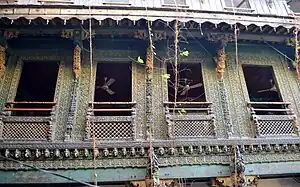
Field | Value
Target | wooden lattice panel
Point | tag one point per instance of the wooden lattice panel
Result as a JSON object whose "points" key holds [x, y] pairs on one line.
{"points": [[192, 128], [25, 130], [275, 128], [112, 130]]}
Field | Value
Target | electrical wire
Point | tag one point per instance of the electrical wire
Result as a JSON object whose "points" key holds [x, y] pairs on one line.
{"points": [[90, 86], [48, 172]]}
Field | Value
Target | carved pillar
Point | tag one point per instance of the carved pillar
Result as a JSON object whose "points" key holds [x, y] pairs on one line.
{"points": [[221, 58], [149, 70], [77, 39], [2, 61]]}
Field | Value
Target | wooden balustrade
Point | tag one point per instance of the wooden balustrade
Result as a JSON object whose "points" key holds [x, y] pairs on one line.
{"points": [[111, 106], [10, 106]]}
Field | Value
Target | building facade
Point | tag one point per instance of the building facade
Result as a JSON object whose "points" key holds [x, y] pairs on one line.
{"points": [[140, 92]]}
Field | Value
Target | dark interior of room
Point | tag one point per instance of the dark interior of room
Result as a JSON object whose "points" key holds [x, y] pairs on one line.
{"points": [[262, 86], [37, 84], [190, 88], [113, 84]]}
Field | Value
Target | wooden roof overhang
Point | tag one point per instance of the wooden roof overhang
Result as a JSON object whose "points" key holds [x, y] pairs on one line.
{"points": [[108, 20]]}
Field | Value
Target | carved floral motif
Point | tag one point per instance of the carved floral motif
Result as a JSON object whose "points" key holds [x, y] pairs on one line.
{"points": [[77, 62], [149, 60], [221, 57]]}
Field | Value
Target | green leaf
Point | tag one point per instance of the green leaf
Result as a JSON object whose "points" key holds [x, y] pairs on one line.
{"points": [[140, 60], [181, 111], [165, 76], [185, 53]]}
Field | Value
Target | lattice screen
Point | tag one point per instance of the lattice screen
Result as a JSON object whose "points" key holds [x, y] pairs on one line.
{"points": [[275, 127], [193, 128], [112, 130], [25, 130]]}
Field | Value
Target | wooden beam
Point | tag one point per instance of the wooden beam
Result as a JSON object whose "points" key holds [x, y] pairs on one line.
{"points": [[191, 34]]}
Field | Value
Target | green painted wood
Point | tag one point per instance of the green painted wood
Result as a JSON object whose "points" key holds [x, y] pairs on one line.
{"points": [[130, 174]]}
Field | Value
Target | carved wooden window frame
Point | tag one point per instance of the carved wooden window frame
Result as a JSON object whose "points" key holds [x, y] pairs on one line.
{"points": [[281, 73], [16, 75], [18, 71], [188, 61], [102, 57]]}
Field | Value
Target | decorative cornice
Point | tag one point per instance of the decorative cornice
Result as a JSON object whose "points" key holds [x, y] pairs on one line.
{"points": [[139, 152]]}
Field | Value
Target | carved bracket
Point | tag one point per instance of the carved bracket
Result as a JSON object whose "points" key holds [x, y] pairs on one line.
{"points": [[230, 181], [149, 183], [9, 34], [76, 34]]}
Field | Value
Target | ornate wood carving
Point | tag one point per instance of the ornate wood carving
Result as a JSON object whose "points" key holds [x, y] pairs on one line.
{"points": [[221, 57], [77, 62], [149, 60], [2, 60], [149, 183], [9, 34], [149, 81]]}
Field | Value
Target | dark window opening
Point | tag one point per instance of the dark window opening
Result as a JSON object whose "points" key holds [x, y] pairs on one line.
{"points": [[262, 87], [116, 1], [175, 2], [190, 83], [238, 4], [37, 84], [113, 84]]}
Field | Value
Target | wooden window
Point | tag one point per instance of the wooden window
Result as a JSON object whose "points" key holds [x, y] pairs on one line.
{"points": [[113, 85], [238, 4], [190, 83], [36, 88], [180, 3], [263, 89], [261, 83]]}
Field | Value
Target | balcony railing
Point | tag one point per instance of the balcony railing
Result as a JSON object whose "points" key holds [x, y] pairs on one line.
{"points": [[111, 121], [26, 123], [273, 119], [189, 119]]}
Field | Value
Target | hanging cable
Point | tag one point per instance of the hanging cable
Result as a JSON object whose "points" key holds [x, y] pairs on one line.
{"points": [[90, 88], [48, 172]]}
